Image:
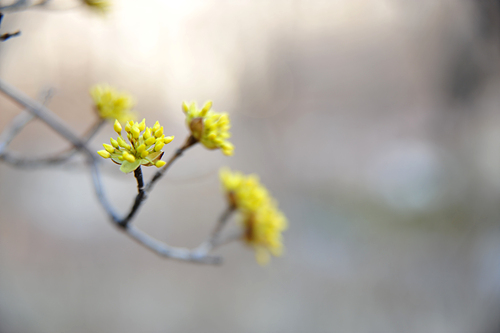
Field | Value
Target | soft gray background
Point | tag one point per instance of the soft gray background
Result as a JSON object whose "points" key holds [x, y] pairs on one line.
{"points": [[375, 123]]}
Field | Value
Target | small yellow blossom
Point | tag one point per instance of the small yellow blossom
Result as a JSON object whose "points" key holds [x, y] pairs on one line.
{"points": [[101, 6], [111, 104], [245, 193], [144, 148], [263, 230], [208, 127], [262, 221]]}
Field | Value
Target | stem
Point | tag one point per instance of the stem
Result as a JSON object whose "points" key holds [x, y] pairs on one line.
{"points": [[144, 190], [190, 141], [164, 250], [213, 240], [141, 196], [140, 180]]}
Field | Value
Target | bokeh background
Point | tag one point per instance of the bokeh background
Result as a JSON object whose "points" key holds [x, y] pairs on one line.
{"points": [[375, 124]]}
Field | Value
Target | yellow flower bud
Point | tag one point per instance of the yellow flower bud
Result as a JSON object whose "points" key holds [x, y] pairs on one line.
{"points": [[227, 148], [159, 164], [108, 148], [117, 127], [263, 222], [185, 107], [104, 154], [141, 148], [159, 132], [208, 127], [135, 131], [206, 108], [122, 143], [159, 146], [168, 139], [156, 126], [109, 103], [142, 125], [136, 153], [114, 142], [128, 157]]}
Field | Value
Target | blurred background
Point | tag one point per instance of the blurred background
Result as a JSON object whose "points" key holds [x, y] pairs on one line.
{"points": [[375, 124]]}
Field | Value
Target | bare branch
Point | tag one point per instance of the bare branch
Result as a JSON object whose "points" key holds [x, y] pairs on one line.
{"points": [[21, 5], [47, 116], [141, 196], [20, 121], [56, 159], [164, 250], [101, 195], [228, 239], [213, 240], [190, 141], [9, 35], [18, 5]]}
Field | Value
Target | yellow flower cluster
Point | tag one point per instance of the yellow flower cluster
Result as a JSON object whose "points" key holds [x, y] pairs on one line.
{"points": [[111, 104], [208, 127], [101, 6], [263, 222], [144, 148]]}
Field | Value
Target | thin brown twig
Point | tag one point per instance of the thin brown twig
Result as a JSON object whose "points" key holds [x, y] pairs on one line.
{"points": [[190, 141]]}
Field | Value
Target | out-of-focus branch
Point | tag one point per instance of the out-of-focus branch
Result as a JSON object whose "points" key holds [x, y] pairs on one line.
{"points": [[44, 114], [9, 35], [20, 5], [20, 121], [56, 159], [214, 238]]}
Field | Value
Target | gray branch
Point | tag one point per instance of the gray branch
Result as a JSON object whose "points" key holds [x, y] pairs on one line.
{"points": [[56, 159], [19, 122]]}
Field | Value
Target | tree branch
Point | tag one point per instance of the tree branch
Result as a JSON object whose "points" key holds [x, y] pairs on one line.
{"points": [[190, 141], [149, 242], [44, 114], [20, 121], [213, 240], [165, 250], [56, 159]]}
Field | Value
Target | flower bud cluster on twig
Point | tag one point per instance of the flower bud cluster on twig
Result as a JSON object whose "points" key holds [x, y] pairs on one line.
{"points": [[262, 221], [145, 146]]}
